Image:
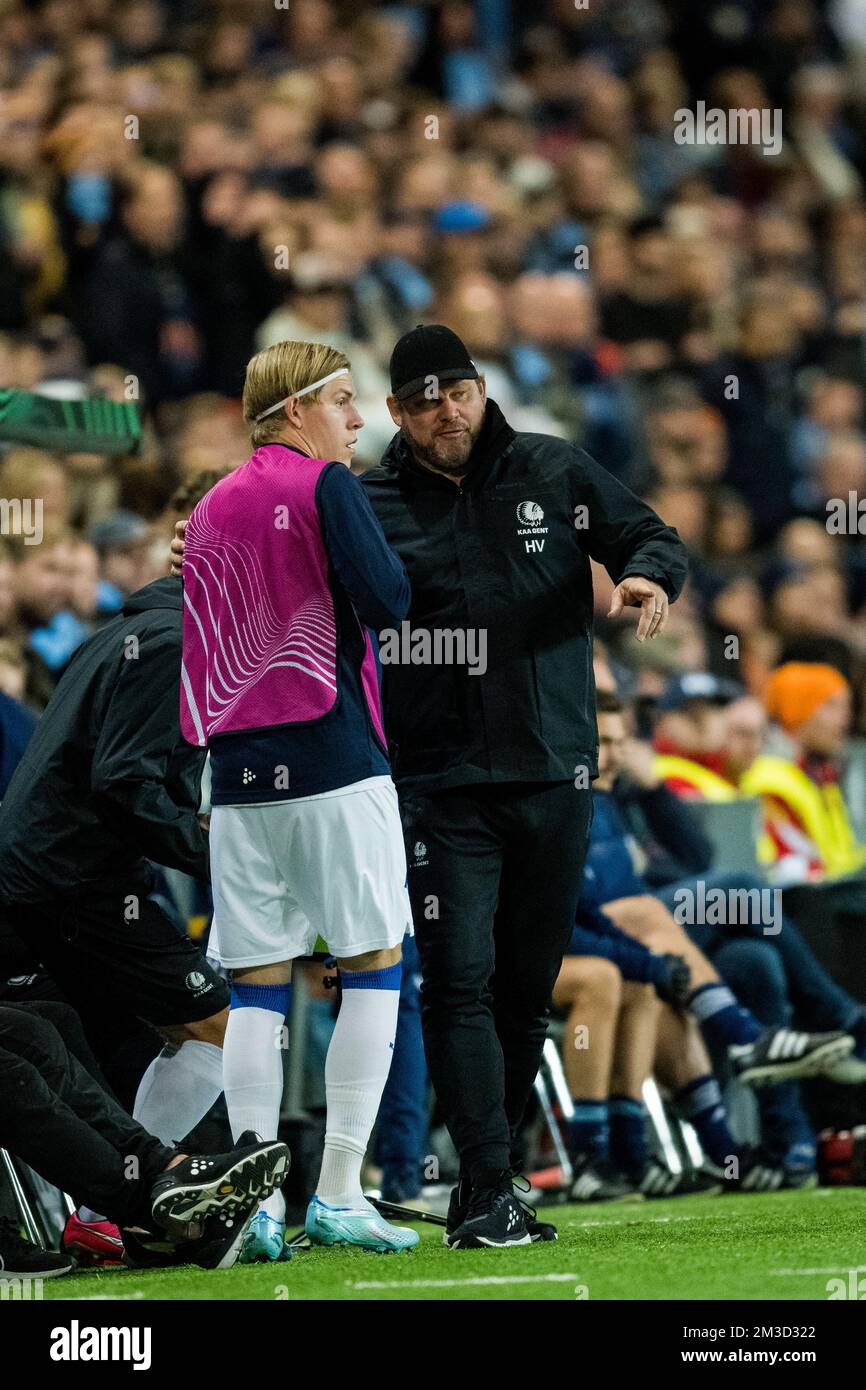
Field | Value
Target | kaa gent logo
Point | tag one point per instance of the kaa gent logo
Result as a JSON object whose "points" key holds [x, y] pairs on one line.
{"points": [[420, 852], [531, 515]]}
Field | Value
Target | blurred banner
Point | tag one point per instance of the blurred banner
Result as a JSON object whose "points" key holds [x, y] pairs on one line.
{"points": [[92, 426]]}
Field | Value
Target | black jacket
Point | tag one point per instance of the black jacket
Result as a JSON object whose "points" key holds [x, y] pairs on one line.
{"points": [[107, 781], [483, 556]]}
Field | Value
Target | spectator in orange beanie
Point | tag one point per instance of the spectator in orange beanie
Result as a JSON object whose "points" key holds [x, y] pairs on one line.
{"points": [[805, 811]]}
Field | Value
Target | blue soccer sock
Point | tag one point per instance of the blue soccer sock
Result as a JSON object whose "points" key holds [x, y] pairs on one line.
{"points": [[722, 1018], [628, 1142], [700, 1102], [589, 1129]]}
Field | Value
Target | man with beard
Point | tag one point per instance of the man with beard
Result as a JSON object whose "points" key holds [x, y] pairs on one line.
{"points": [[493, 760], [494, 767]]}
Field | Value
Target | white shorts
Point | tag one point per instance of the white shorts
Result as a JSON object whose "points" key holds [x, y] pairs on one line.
{"points": [[286, 872]]}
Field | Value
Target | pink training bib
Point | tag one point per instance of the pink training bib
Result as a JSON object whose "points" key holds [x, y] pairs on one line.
{"points": [[259, 632]]}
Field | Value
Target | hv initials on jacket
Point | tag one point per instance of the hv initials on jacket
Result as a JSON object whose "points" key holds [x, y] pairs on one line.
{"points": [[506, 553]]}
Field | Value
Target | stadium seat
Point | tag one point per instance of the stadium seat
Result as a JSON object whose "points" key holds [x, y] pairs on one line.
{"points": [[674, 1139], [668, 1133], [854, 784], [733, 828]]}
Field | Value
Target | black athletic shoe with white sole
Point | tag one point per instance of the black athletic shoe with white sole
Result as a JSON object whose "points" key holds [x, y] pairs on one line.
{"points": [[782, 1054], [21, 1260], [147, 1250], [658, 1181], [493, 1216], [218, 1247], [538, 1230], [595, 1180], [225, 1187], [760, 1171]]}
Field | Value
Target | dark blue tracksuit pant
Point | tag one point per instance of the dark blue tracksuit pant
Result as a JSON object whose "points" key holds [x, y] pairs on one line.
{"points": [[403, 1114]]}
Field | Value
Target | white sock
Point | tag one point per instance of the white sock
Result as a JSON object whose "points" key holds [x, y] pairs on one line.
{"points": [[357, 1066], [178, 1089], [253, 1074]]}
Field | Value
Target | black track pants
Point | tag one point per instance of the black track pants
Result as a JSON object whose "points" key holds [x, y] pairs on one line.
{"points": [[57, 1118], [494, 878]]}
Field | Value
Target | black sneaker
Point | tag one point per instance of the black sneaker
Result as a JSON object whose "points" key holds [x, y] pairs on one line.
{"points": [[782, 1054], [658, 1181], [147, 1250], [594, 1180], [493, 1216], [538, 1230], [218, 1247], [21, 1260], [228, 1187], [762, 1171]]}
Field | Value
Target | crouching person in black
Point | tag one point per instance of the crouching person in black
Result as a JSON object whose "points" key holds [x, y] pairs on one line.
{"points": [[106, 789], [59, 1119]]}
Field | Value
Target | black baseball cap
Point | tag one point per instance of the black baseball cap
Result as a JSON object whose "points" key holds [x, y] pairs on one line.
{"points": [[431, 349], [697, 685], [118, 532]]}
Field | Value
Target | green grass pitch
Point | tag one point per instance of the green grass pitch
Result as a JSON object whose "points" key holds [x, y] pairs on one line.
{"points": [[768, 1246]]}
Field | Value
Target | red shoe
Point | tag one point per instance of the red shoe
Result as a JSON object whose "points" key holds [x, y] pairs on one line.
{"points": [[548, 1179], [92, 1242]]}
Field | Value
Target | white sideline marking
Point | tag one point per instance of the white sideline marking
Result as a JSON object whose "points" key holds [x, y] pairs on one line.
{"points": [[829, 1269], [106, 1297], [461, 1283], [636, 1221]]}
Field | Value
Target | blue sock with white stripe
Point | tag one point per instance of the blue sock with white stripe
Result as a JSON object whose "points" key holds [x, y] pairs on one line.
{"points": [[700, 1102], [722, 1018], [256, 1039], [588, 1129], [357, 1066], [628, 1142]]}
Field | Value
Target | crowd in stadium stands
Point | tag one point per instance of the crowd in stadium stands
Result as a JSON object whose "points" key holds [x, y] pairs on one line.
{"points": [[185, 182], [182, 183]]}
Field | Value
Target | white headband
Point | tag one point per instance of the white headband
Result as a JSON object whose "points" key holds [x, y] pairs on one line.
{"points": [[341, 371]]}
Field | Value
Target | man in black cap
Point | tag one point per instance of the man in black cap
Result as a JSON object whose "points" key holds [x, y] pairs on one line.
{"points": [[496, 530], [493, 759]]}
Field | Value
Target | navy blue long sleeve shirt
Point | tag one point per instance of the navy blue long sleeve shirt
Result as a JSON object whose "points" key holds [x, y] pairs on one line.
{"points": [[609, 873], [668, 830], [595, 934]]}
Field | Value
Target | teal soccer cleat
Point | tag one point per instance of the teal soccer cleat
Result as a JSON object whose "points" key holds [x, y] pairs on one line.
{"points": [[361, 1225], [264, 1241]]}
